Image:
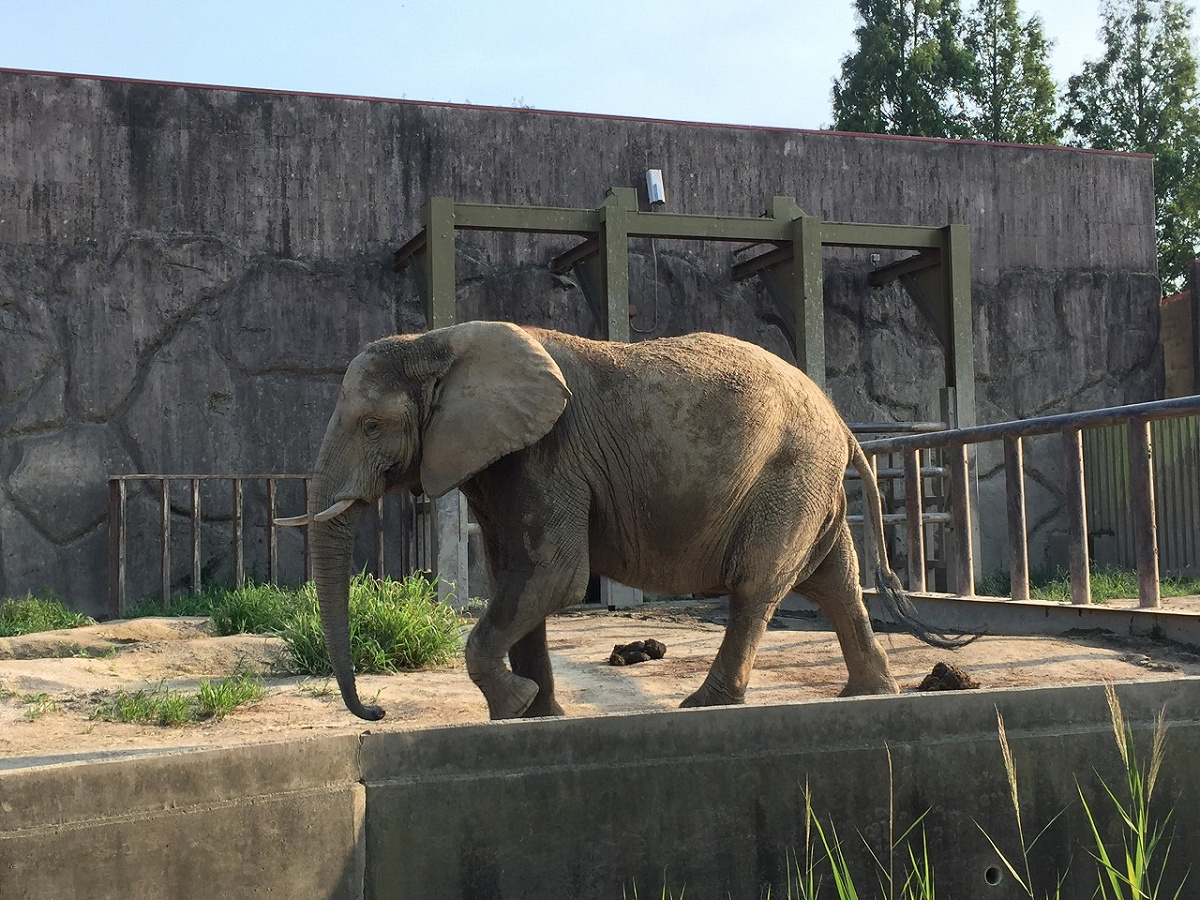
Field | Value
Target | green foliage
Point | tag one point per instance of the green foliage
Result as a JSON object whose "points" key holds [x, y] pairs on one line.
{"points": [[37, 705], [162, 706], [38, 612], [1010, 94], [1141, 96], [394, 625], [1107, 584], [1137, 870], [908, 73]]}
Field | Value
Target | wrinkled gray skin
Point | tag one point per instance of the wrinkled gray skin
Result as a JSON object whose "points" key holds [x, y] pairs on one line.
{"points": [[695, 464]]}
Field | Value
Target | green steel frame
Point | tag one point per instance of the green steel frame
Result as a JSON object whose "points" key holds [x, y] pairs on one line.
{"points": [[938, 276]]}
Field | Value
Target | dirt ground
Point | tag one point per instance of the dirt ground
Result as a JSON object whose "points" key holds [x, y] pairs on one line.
{"points": [[49, 683]]}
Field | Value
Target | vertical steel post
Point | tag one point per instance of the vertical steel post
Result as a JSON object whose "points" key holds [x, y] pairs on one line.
{"points": [[869, 537], [914, 499], [1145, 525], [195, 535], [239, 552], [116, 544], [380, 540], [614, 260], [308, 560], [1077, 536], [437, 261], [272, 535], [1018, 529], [808, 293], [165, 529], [960, 504]]}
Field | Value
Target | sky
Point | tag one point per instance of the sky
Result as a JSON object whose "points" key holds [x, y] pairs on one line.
{"points": [[743, 62]]}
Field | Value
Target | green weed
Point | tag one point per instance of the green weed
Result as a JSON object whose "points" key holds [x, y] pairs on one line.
{"points": [[162, 706], [1136, 870], [38, 612], [1107, 585], [394, 625], [37, 705]]}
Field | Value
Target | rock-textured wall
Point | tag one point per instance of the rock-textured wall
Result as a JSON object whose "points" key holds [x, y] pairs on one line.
{"points": [[185, 272]]}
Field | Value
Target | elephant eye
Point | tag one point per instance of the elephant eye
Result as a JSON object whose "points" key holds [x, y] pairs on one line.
{"points": [[371, 427]]}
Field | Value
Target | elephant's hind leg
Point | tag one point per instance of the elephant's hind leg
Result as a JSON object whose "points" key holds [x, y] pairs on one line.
{"points": [[749, 612], [834, 587]]}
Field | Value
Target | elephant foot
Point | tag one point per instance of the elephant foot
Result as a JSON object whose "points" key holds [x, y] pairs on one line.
{"points": [[543, 706], [868, 687], [712, 696], [509, 696]]}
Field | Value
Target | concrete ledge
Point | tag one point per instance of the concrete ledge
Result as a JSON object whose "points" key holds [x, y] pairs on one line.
{"points": [[707, 800], [712, 799], [269, 820]]}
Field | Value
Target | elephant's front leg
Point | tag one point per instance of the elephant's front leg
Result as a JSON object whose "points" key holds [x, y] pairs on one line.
{"points": [[515, 624]]}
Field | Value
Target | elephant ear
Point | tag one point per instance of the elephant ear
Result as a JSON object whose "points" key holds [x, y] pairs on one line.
{"points": [[501, 392]]}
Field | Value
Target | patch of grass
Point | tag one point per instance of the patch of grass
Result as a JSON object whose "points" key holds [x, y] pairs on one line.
{"points": [[254, 609], [162, 706], [37, 705], [394, 625], [1107, 584], [38, 612]]}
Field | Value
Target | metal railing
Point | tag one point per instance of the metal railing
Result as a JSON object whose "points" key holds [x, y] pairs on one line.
{"points": [[1136, 419], [405, 533]]}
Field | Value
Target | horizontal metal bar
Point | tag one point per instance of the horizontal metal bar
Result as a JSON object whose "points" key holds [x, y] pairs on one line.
{"points": [[1095, 418], [926, 259], [411, 247], [537, 219], [565, 262], [901, 519], [748, 268], [895, 427], [677, 226], [143, 477], [882, 237]]}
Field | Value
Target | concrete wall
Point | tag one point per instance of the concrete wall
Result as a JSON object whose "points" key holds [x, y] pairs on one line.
{"points": [[707, 800], [184, 273]]}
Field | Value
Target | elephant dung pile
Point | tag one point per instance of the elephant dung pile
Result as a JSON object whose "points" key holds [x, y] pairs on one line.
{"points": [[948, 677], [638, 651]]}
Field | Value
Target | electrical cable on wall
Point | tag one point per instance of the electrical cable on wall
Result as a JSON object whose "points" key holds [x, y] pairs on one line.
{"points": [[657, 196]]}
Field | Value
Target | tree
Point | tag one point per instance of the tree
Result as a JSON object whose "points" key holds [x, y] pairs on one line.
{"points": [[908, 73], [1011, 93], [1141, 96]]}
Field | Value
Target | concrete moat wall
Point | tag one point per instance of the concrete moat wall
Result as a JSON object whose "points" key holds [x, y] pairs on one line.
{"points": [[186, 271], [706, 802]]}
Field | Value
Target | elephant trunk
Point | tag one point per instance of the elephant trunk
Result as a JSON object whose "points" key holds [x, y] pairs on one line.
{"points": [[331, 544]]}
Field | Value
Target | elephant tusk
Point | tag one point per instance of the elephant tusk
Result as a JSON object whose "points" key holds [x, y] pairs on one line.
{"points": [[334, 511], [292, 521]]}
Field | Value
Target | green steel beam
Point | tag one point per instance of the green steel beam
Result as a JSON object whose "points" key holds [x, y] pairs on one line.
{"points": [[536, 219], [808, 293], [437, 260], [614, 261], [960, 364], [888, 237]]}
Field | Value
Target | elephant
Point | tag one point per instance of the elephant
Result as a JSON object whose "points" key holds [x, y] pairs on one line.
{"points": [[697, 464]]}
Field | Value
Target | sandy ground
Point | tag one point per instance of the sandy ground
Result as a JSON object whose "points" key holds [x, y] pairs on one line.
{"points": [[50, 683]]}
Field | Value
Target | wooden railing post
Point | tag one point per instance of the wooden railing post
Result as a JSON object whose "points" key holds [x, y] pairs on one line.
{"points": [[1145, 525], [1077, 535], [914, 498], [1018, 529], [960, 505], [165, 528], [116, 544], [195, 535]]}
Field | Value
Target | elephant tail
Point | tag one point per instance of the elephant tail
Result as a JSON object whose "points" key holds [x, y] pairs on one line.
{"points": [[887, 584]]}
